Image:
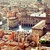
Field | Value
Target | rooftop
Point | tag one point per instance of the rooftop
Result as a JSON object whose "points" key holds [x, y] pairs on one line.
{"points": [[46, 36], [38, 14], [12, 18], [40, 25]]}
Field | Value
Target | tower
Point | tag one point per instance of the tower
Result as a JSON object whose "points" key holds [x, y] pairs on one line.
{"points": [[3, 23], [48, 19], [48, 16]]}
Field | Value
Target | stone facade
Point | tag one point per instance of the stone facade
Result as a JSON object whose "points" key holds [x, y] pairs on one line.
{"points": [[13, 22], [28, 20], [38, 30]]}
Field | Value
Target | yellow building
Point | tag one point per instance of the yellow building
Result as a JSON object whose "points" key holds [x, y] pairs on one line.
{"points": [[38, 30]]}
